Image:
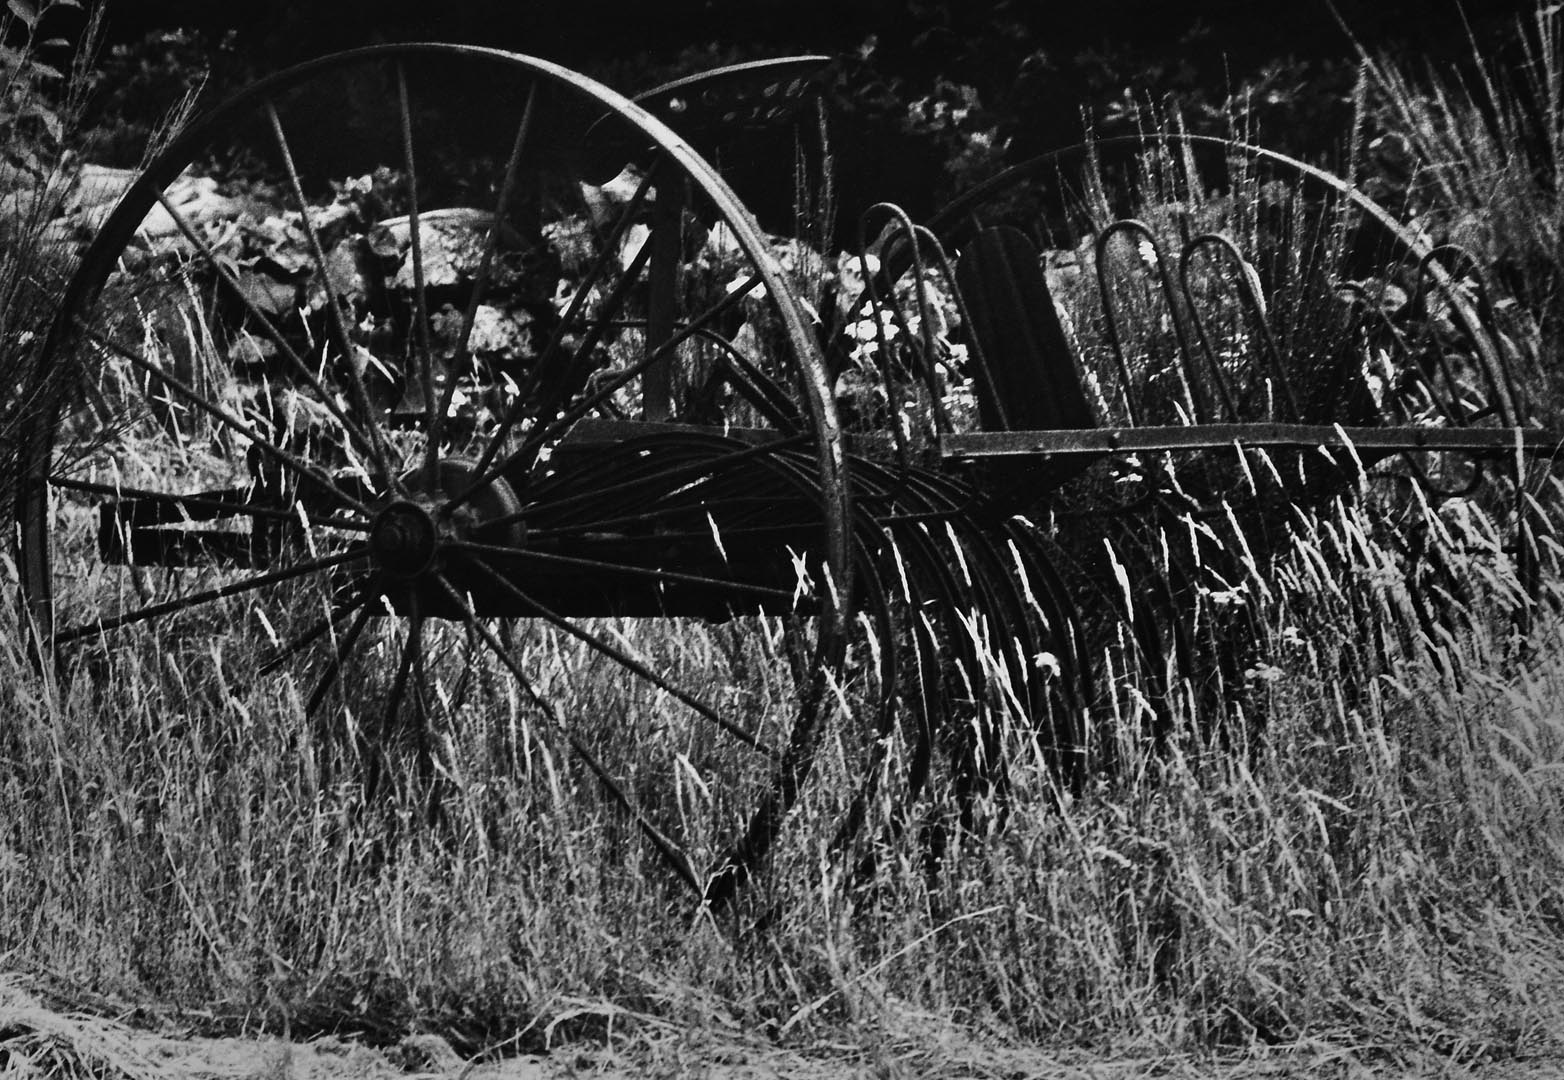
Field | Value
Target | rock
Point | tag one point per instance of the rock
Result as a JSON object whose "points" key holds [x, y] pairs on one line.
{"points": [[496, 332]]}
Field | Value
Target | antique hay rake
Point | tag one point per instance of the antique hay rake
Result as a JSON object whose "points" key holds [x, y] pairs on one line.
{"points": [[514, 422]]}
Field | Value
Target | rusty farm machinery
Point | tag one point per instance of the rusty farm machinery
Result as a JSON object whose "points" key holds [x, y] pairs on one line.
{"points": [[515, 391]]}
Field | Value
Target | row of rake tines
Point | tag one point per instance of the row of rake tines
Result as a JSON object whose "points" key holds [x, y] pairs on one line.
{"points": [[982, 645], [983, 635], [1093, 633], [1142, 294]]}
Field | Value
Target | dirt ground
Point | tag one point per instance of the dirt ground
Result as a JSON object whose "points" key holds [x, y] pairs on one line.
{"points": [[37, 1041]]}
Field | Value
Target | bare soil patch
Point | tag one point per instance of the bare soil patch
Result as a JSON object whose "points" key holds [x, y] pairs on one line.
{"points": [[37, 1040]]}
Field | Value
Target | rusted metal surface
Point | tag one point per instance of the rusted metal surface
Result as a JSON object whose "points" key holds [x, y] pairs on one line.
{"points": [[1103, 442]]}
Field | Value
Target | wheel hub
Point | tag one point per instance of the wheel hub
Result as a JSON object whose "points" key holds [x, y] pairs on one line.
{"points": [[403, 540], [407, 534]]}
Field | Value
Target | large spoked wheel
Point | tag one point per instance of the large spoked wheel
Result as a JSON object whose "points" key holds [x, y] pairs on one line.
{"points": [[477, 414]]}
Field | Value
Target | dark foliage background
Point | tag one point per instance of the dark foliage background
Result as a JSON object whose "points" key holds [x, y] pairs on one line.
{"points": [[932, 94]]}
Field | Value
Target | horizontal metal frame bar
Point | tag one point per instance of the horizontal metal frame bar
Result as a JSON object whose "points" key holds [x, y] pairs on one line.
{"points": [[1101, 442]]}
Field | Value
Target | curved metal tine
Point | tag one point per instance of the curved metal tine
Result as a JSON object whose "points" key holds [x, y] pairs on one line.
{"points": [[544, 558], [876, 604], [577, 370], [1013, 634], [876, 611], [910, 235], [624, 660], [1447, 283], [883, 361], [154, 611], [381, 448], [666, 848], [275, 336], [1042, 582], [545, 362], [1249, 292], [524, 454], [1141, 617], [1110, 320], [344, 649], [652, 512], [1019, 633], [966, 633], [424, 355], [1158, 268], [1218, 376], [1099, 600], [926, 648], [235, 508], [918, 548], [480, 284], [412, 649], [758, 388], [974, 346], [222, 416], [705, 464], [876, 601]]}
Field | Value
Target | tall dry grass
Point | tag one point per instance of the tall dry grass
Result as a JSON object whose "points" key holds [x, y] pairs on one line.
{"points": [[1475, 153], [1368, 857], [1380, 865]]}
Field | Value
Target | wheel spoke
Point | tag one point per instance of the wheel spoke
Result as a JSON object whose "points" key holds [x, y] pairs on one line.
{"points": [[222, 416], [345, 646], [222, 507], [380, 448], [758, 388], [546, 359], [572, 369], [536, 440], [666, 848], [612, 385], [480, 283], [404, 668], [673, 536], [319, 629], [626, 661], [577, 370], [626, 570], [423, 355], [207, 596], [274, 335]]}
